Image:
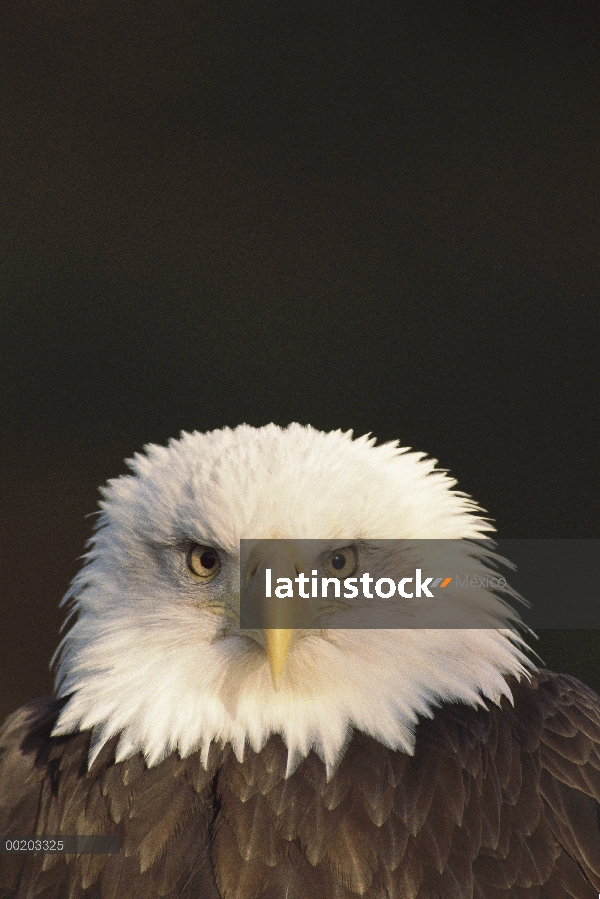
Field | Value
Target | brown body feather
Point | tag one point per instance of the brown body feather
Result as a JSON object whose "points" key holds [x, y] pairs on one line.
{"points": [[495, 804]]}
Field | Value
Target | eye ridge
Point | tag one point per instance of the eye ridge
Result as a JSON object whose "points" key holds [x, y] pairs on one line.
{"points": [[203, 562]]}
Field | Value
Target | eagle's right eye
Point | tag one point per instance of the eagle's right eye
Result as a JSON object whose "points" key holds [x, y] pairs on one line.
{"points": [[343, 562], [203, 562]]}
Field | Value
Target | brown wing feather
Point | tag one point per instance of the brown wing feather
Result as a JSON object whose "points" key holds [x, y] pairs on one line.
{"points": [[499, 804], [162, 815], [495, 804]]}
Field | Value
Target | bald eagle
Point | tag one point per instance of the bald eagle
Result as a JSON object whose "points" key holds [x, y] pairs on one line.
{"points": [[287, 763]]}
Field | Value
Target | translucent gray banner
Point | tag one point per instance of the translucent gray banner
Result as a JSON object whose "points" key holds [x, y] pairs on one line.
{"points": [[419, 584]]}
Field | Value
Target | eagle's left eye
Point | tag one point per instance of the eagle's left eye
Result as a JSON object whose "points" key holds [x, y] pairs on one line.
{"points": [[343, 562], [203, 562]]}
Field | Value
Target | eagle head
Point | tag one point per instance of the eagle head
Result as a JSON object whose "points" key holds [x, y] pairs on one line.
{"points": [[155, 652]]}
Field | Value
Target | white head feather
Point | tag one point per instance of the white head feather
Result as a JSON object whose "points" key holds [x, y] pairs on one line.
{"points": [[145, 659]]}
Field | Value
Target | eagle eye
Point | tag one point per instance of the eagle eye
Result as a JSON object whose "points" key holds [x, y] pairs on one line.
{"points": [[203, 562], [343, 562]]}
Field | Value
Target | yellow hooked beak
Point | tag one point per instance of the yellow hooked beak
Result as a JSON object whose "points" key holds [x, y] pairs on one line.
{"points": [[278, 647], [278, 637]]}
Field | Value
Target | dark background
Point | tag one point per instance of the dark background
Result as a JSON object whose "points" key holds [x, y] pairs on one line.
{"points": [[377, 215]]}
